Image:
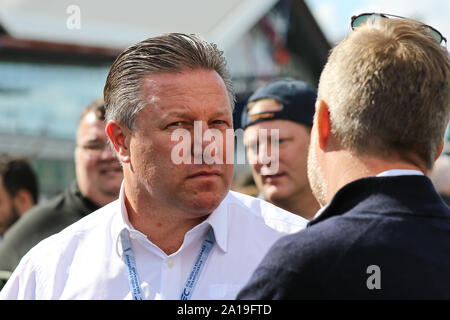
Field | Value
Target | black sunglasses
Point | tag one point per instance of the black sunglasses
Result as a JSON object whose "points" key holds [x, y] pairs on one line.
{"points": [[363, 17]]}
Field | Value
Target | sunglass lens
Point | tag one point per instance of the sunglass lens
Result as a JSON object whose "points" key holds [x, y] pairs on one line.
{"points": [[436, 35], [361, 19]]}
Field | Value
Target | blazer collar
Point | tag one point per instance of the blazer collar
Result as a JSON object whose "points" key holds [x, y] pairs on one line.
{"points": [[399, 193]]}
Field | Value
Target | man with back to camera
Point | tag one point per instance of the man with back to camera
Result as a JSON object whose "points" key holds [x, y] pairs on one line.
{"points": [[287, 106], [98, 179], [176, 232], [383, 232]]}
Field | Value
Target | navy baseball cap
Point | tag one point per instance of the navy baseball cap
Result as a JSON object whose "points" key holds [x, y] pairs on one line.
{"points": [[297, 103]]}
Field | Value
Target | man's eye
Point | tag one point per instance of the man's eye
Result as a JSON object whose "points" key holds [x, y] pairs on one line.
{"points": [[93, 147], [220, 122], [176, 124]]}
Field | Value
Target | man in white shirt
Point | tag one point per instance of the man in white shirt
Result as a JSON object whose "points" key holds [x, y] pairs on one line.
{"points": [[176, 232]]}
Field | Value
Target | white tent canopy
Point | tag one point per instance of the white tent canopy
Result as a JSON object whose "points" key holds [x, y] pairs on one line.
{"points": [[118, 24]]}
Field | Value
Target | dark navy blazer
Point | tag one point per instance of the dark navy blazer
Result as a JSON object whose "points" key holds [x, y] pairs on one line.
{"points": [[379, 238]]}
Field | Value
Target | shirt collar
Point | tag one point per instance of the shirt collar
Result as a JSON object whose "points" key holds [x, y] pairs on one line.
{"points": [[399, 172], [388, 173], [319, 212], [218, 220]]}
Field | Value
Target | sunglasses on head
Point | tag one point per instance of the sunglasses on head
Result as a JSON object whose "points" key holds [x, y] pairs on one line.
{"points": [[363, 17]]}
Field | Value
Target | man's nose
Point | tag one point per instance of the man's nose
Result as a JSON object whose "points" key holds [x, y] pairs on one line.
{"points": [[199, 143]]}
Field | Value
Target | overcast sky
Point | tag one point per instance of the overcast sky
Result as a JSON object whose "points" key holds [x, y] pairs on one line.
{"points": [[334, 15]]}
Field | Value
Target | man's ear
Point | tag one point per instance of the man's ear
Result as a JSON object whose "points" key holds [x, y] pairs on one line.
{"points": [[323, 123], [119, 136], [441, 147], [23, 201]]}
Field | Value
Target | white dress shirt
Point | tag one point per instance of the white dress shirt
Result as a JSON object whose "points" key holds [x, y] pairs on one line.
{"points": [[84, 261]]}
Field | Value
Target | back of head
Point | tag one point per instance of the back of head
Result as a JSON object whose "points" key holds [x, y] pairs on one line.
{"points": [[17, 174], [387, 88], [168, 53]]}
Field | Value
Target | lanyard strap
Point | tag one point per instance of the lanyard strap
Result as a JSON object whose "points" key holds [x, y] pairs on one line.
{"points": [[128, 256], [191, 281]]}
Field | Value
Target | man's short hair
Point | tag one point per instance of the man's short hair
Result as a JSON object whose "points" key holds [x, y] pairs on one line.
{"points": [[17, 175], [168, 53], [97, 107], [387, 87]]}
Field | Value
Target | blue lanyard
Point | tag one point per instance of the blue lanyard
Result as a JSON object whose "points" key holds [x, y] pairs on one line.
{"points": [[191, 281], [128, 256]]}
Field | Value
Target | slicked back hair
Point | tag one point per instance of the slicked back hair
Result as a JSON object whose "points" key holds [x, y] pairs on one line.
{"points": [[168, 53]]}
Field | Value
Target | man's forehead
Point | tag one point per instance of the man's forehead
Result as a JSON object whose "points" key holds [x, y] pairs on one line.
{"points": [[91, 127], [283, 127], [90, 117], [176, 93]]}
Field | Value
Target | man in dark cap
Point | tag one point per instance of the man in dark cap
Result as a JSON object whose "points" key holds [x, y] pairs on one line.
{"points": [[286, 107]]}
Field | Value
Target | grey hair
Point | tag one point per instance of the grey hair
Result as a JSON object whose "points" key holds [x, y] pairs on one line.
{"points": [[172, 53]]}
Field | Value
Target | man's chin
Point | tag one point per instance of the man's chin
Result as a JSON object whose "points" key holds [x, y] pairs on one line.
{"points": [[111, 189], [272, 192], [204, 202]]}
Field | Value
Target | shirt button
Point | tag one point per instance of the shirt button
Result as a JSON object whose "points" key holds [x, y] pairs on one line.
{"points": [[133, 236], [170, 263]]}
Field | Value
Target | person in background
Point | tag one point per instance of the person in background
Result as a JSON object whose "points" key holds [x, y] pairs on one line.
{"points": [[19, 190], [244, 183], [98, 179], [287, 106], [176, 231], [383, 231], [440, 176]]}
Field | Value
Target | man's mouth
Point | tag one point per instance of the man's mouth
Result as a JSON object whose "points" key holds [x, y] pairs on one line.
{"points": [[205, 174], [272, 178], [110, 170]]}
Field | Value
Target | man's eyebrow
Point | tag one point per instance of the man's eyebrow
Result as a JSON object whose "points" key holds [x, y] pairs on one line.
{"points": [[181, 114], [188, 115]]}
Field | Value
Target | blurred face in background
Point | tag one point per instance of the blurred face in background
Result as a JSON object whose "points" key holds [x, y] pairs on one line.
{"points": [[290, 180], [99, 174], [8, 211]]}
